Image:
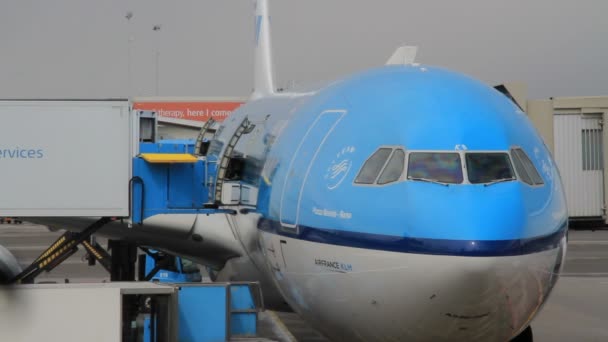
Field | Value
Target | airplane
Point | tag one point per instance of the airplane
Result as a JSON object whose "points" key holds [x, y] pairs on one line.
{"points": [[405, 202]]}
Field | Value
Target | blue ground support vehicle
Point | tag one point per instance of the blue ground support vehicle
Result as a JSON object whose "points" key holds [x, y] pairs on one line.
{"points": [[167, 268], [227, 309]]}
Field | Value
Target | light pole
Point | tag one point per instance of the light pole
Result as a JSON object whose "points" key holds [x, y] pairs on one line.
{"points": [[130, 39], [156, 28]]}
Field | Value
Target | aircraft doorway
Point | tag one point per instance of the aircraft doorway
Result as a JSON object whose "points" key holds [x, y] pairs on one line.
{"points": [[301, 162]]}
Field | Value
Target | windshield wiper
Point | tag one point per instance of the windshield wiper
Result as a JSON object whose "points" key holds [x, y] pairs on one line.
{"points": [[428, 180], [498, 181]]}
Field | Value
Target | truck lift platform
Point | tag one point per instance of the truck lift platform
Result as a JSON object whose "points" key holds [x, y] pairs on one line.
{"points": [[109, 164]]}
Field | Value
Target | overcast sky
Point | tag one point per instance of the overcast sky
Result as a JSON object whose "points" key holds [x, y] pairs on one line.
{"points": [[80, 48]]}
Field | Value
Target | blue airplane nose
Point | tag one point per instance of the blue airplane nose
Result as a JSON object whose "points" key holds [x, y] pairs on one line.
{"points": [[474, 213]]}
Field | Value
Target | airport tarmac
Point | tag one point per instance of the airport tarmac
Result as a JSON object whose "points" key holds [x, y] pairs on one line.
{"points": [[576, 311]]}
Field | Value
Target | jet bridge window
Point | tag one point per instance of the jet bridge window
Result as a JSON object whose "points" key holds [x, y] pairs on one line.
{"points": [[440, 167], [488, 167], [525, 169]]}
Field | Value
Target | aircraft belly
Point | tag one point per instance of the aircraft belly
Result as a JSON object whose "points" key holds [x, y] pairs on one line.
{"points": [[251, 266], [354, 294]]}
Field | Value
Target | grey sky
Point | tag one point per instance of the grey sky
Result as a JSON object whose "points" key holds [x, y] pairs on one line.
{"points": [[79, 48]]}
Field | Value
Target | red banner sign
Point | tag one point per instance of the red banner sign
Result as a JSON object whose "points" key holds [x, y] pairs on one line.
{"points": [[194, 111]]}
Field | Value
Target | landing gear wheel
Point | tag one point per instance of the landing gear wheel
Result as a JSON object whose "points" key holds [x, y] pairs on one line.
{"points": [[524, 336]]}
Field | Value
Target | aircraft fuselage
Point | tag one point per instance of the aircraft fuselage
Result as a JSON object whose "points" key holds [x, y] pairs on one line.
{"points": [[456, 240]]}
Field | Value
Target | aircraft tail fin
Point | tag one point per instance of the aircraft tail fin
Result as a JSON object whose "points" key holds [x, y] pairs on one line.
{"points": [[403, 55], [263, 73]]}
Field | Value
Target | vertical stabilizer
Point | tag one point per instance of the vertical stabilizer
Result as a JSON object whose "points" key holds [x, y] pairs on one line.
{"points": [[263, 75], [404, 55]]}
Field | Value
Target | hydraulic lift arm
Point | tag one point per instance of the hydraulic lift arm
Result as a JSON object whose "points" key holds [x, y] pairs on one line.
{"points": [[96, 252], [63, 248]]}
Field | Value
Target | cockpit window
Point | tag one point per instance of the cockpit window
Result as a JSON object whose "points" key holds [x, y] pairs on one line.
{"points": [[435, 166], [370, 170], [393, 170], [488, 167], [525, 169]]}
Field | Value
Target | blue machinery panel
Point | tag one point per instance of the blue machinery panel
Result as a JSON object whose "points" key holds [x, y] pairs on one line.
{"points": [[207, 312], [170, 188], [217, 312], [214, 312], [202, 313], [243, 310]]}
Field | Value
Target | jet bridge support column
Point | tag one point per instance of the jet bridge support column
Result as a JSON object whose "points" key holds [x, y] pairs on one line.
{"points": [[124, 255]]}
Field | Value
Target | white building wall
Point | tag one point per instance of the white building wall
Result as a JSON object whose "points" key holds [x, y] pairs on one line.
{"points": [[580, 167], [171, 131]]}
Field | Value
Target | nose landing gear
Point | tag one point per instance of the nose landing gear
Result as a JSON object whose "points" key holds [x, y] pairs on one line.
{"points": [[524, 336]]}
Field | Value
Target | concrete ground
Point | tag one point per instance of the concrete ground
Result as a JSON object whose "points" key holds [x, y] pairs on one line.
{"points": [[576, 311], [578, 307]]}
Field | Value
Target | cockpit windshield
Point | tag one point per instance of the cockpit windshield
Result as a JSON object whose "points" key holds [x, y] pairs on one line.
{"points": [[386, 166], [485, 167], [435, 166]]}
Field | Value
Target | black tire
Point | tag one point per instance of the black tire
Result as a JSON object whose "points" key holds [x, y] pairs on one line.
{"points": [[524, 336]]}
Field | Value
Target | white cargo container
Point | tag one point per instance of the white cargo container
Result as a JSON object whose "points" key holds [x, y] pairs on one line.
{"points": [[82, 312], [66, 158]]}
